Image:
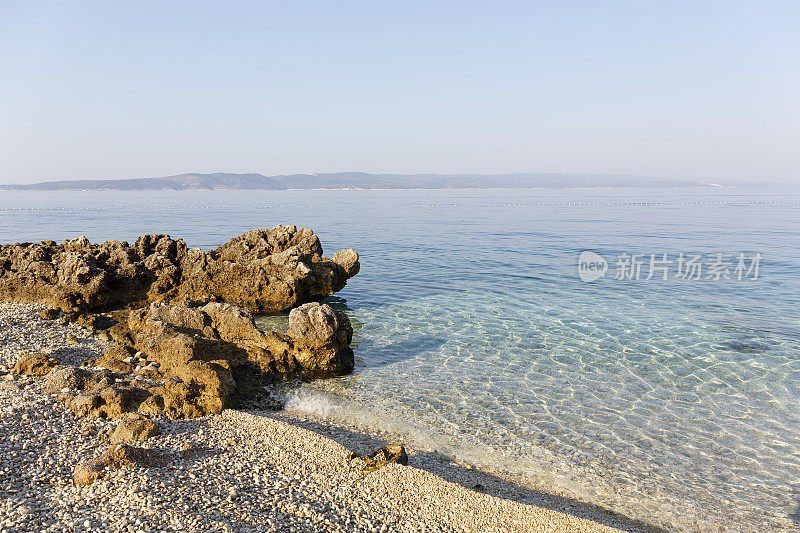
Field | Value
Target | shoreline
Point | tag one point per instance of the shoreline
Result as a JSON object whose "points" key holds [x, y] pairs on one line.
{"points": [[486, 481], [269, 471]]}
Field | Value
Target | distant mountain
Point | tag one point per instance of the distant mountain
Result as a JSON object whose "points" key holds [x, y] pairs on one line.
{"points": [[358, 180]]}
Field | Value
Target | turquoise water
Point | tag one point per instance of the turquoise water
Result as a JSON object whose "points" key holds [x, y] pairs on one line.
{"points": [[676, 402]]}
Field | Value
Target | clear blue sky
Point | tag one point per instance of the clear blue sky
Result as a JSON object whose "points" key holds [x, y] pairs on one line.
{"points": [[107, 89]]}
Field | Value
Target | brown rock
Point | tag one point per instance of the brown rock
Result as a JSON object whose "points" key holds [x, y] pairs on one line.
{"points": [[115, 457], [321, 337], [198, 389], [348, 260], [114, 359], [315, 324], [34, 364], [66, 377], [83, 404], [209, 356], [96, 322], [125, 455], [232, 324], [88, 473], [317, 343], [69, 318], [111, 401], [261, 270], [392, 453], [134, 428]]}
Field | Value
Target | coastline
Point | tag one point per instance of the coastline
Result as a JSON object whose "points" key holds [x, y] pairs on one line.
{"points": [[497, 484], [292, 189], [240, 470]]}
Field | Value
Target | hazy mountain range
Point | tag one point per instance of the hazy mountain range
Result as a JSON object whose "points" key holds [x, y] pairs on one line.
{"points": [[359, 180]]}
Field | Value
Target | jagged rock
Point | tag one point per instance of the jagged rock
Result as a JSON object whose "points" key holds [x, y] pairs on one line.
{"points": [[207, 353], [232, 323], [34, 364], [261, 270], [198, 365], [198, 388], [96, 394], [110, 401], [134, 428], [115, 457], [147, 298], [96, 322], [392, 453]]}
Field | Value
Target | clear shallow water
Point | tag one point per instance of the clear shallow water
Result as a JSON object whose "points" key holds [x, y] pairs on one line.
{"points": [[676, 402]]}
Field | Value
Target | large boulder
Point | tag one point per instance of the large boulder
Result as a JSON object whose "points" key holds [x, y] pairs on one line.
{"points": [[263, 270], [316, 324], [321, 338], [347, 259], [118, 359]]}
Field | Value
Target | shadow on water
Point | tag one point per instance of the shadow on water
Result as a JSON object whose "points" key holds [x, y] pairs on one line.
{"points": [[475, 480], [398, 351]]}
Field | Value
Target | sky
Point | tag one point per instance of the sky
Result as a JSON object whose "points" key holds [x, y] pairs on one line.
{"points": [[699, 89]]}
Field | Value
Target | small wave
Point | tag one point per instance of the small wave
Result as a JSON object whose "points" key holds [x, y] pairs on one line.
{"points": [[308, 401]]}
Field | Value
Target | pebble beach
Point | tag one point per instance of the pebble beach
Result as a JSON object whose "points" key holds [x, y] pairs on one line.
{"points": [[240, 470]]}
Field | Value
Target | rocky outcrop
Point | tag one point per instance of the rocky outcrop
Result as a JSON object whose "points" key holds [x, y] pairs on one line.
{"points": [[316, 344], [261, 270], [184, 350], [189, 362], [111, 399]]}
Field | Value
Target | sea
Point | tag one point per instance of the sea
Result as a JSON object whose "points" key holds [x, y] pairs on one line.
{"points": [[637, 349]]}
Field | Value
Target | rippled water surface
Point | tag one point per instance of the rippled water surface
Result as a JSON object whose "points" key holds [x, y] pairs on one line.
{"points": [[674, 401]]}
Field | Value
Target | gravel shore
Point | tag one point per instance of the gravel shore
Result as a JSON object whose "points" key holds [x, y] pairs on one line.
{"points": [[237, 471]]}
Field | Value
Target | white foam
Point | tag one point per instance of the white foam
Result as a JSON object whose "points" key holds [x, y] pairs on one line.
{"points": [[538, 468]]}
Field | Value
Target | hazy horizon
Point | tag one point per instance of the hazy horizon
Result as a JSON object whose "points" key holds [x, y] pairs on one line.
{"points": [[701, 91], [646, 180]]}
